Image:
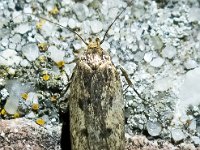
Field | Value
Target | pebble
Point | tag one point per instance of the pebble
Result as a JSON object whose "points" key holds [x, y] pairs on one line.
{"points": [[11, 71], [129, 38], [156, 42], [63, 21], [157, 62], [189, 91], [112, 13], [193, 14], [169, 51], [3, 32], [81, 11], [5, 41], [177, 135], [30, 51], [28, 10], [24, 63], [193, 125], [48, 29], [41, 1], [134, 48], [22, 28], [190, 64], [139, 56], [130, 67], [96, 26], [77, 45], [71, 23], [12, 104], [9, 58], [55, 54], [198, 130], [196, 140], [31, 115], [153, 128], [12, 46], [32, 97], [4, 94], [148, 56], [162, 84], [142, 46], [105, 46], [16, 38]]}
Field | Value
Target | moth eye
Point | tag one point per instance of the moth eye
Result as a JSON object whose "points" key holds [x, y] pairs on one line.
{"points": [[97, 39], [90, 39]]}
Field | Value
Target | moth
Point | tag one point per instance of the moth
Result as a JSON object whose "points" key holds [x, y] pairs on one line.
{"points": [[95, 105], [94, 110]]}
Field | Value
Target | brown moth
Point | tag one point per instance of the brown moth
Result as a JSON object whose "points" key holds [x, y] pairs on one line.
{"points": [[94, 108], [96, 103]]}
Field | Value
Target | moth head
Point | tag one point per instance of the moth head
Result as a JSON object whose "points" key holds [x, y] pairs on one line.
{"points": [[93, 43]]}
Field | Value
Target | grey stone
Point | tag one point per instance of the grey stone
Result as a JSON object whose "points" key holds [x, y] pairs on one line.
{"points": [[196, 140], [22, 28], [96, 26], [189, 91], [157, 62], [81, 11], [31, 51], [153, 128], [169, 52], [190, 64], [177, 135]]}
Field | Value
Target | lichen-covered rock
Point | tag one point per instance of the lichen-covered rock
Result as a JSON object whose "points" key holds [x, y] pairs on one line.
{"points": [[140, 142], [25, 134]]}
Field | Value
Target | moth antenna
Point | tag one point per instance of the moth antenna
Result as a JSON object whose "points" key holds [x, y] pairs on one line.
{"points": [[57, 25], [114, 22]]}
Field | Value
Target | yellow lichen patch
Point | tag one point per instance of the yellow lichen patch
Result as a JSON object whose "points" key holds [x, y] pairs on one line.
{"points": [[40, 121], [42, 58], [43, 46], [60, 64], [46, 77], [16, 115], [35, 106], [3, 112], [40, 24], [61, 38], [54, 98], [54, 11], [24, 96]]}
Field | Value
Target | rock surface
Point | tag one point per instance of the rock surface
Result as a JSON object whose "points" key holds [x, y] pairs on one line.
{"points": [[25, 134]]}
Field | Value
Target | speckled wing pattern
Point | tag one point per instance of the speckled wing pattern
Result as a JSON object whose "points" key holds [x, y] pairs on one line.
{"points": [[96, 103]]}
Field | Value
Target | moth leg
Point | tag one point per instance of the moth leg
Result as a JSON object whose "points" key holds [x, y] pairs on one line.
{"points": [[128, 80], [63, 101]]}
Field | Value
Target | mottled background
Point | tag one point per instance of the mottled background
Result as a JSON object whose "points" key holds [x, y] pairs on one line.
{"points": [[156, 42]]}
